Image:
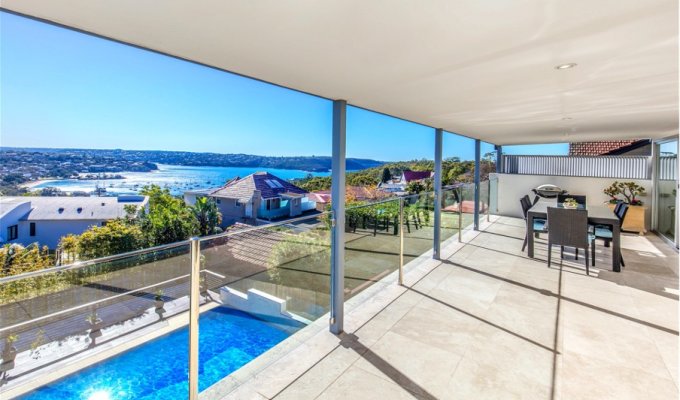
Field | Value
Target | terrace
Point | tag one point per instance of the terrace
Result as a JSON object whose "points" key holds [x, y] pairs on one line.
{"points": [[405, 298]]}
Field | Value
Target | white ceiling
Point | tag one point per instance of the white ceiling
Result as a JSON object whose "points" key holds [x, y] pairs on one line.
{"points": [[484, 69]]}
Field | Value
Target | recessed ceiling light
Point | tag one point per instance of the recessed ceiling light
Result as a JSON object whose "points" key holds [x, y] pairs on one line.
{"points": [[566, 66]]}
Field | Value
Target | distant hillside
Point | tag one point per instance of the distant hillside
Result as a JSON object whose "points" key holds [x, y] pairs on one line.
{"points": [[305, 163]]}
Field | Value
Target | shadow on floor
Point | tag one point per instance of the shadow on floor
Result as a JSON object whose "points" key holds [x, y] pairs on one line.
{"points": [[351, 341]]}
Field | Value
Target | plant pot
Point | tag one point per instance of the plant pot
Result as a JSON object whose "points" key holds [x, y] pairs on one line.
{"points": [[95, 328], [9, 354], [159, 303], [635, 220]]}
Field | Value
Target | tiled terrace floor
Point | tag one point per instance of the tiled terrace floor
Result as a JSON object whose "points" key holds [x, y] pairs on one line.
{"points": [[490, 323]]}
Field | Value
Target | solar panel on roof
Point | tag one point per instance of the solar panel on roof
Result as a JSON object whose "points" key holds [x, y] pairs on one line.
{"points": [[270, 183]]}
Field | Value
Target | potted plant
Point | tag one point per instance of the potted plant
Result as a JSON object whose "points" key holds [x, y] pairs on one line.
{"points": [[95, 326], [628, 192], [570, 203], [158, 298], [203, 286], [9, 352]]}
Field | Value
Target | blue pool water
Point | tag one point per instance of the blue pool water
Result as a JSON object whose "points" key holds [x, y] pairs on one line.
{"points": [[228, 339]]}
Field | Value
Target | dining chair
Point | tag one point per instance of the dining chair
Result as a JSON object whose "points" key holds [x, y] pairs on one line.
{"points": [[606, 232], [539, 224], [580, 199], [568, 227]]}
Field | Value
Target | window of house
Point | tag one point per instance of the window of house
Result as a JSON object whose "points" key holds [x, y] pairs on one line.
{"points": [[276, 203], [103, 223], [269, 204], [218, 201], [32, 229], [12, 232]]}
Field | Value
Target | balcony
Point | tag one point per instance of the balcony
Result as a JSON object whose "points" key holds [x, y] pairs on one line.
{"points": [[493, 321], [423, 296], [487, 322]]}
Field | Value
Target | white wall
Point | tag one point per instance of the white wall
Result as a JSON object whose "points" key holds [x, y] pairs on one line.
{"points": [[12, 218], [48, 233], [512, 187]]}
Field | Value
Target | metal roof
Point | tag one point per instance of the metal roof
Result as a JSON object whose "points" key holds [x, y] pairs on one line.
{"points": [[75, 208], [270, 186]]}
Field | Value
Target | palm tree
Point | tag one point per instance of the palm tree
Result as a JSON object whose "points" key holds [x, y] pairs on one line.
{"points": [[207, 215]]}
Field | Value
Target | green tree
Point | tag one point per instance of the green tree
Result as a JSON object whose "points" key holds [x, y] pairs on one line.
{"points": [[168, 220], [415, 187], [16, 259], [386, 175], [207, 215], [68, 247], [117, 236]]}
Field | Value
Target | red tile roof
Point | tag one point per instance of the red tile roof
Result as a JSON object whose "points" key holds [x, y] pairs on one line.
{"points": [[598, 148]]}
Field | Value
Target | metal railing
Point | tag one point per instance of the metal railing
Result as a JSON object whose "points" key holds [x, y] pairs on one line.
{"points": [[668, 168], [619, 167]]}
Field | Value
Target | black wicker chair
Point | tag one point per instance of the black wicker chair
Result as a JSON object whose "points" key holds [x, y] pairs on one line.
{"points": [[539, 224], [569, 228], [605, 232]]}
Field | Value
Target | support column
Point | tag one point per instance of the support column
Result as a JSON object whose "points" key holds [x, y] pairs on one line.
{"points": [[499, 159], [477, 175], [438, 134], [338, 208]]}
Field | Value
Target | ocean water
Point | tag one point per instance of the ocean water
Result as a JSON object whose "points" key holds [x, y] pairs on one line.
{"points": [[158, 370], [177, 178]]}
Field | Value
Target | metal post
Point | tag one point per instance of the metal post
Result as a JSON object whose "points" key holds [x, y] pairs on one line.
{"points": [[401, 240], [499, 159], [460, 216], [477, 175], [436, 253], [488, 200], [193, 317], [338, 206]]}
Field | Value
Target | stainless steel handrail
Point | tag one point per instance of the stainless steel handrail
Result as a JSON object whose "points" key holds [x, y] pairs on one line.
{"points": [[401, 241], [194, 302]]}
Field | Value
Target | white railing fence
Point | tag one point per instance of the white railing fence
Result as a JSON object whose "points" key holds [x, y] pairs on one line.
{"points": [[619, 167]]}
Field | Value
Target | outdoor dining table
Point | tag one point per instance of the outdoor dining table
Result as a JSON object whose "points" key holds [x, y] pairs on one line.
{"points": [[597, 215]]}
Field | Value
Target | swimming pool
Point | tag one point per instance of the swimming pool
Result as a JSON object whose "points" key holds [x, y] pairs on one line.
{"points": [[228, 339]]}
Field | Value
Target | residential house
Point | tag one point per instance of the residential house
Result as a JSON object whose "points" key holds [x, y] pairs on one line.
{"points": [[357, 193], [45, 220], [410, 176], [398, 186], [257, 196]]}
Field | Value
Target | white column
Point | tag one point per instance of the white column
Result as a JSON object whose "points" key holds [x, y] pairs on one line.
{"points": [[338, 208], [438, 133]]}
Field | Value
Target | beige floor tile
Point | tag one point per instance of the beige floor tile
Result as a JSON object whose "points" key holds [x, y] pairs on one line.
{"points": [[438, 325], [356, 383], [322, 375], [589, 378], [500, 365], [493, 324], [411, 364]]}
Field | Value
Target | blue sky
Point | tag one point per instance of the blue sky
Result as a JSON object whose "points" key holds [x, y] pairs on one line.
{"points": [[62, 88]]}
